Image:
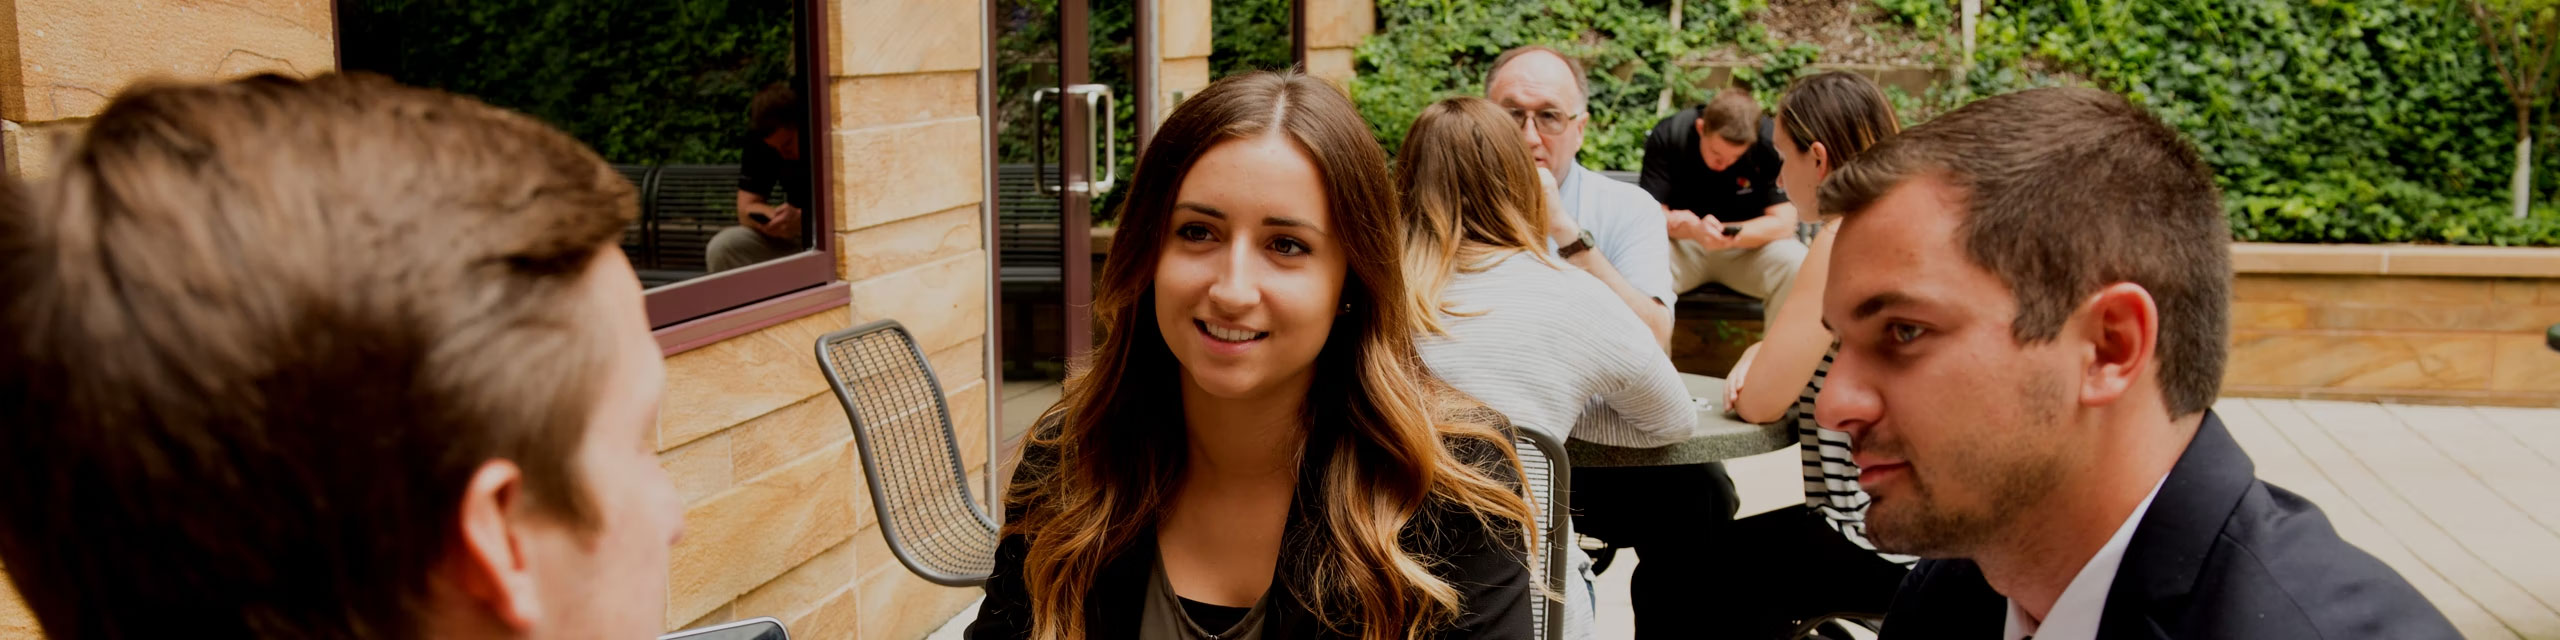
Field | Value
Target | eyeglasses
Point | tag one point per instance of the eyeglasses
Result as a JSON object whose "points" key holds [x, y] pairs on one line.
{"points": [[1550, 121]]}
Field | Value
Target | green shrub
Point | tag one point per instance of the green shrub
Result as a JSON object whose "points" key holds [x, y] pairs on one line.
{"points": [[2324, 121], [642, 81], [2329, 121], [1430, 49]]}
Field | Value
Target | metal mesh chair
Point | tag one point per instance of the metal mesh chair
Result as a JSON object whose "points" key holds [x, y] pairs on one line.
{"points": [[1548, 475], [902, 429]]}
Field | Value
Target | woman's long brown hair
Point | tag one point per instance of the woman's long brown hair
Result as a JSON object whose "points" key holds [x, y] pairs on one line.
{"points": [[1472, 194], [1374, 439]]}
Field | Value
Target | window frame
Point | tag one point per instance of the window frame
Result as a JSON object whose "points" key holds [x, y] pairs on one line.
{"points": [[697, 312]]}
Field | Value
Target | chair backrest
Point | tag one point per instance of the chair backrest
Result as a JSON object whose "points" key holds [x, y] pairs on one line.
{"points": [[765, 628], [635, 239], [1549, 476], [1027, 232], [910, 457], [689, 204]]}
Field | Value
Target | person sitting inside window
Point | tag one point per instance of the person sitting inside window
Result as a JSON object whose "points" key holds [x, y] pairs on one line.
{"points": [[1506, 321], [769, 224], [1715, 172], [1815, 558], [328, 358], [1254, 450]]}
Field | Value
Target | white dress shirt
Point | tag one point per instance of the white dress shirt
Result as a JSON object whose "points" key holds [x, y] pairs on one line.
{"points": [[2075, 614]]}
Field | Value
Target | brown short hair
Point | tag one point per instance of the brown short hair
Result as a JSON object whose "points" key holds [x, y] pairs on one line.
{"points": [[2068, 190], [775, 108], [262, 332], [1581, 85], [1733, 116]]}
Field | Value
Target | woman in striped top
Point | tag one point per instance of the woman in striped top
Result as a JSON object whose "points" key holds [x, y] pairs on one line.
{"points": [[1814, 559], [1506, 321]]}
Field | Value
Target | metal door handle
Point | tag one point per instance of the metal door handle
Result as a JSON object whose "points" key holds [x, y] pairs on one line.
{"points": [[1040, 145], [1102, 157]]}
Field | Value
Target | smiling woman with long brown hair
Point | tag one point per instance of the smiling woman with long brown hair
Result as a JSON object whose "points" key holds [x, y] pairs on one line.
{"points": [[1254, 450]]}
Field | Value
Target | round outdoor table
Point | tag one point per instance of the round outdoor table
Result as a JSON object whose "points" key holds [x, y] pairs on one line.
{"points": [[1719, 437]]}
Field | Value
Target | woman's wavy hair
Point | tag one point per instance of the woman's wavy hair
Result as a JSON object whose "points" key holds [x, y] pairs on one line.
{"points": [[1472, 195], [1378, 440]]}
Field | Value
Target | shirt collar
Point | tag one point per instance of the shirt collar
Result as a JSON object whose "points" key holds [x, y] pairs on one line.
{"points": [[1569, 188], [2075, 615]]}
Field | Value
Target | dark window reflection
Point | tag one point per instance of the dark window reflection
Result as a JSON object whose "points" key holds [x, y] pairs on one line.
{"points": [[701, 103]]}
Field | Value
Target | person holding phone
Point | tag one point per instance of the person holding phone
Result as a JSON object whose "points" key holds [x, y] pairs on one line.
{"points": [[1715, 171], [769, 224]]}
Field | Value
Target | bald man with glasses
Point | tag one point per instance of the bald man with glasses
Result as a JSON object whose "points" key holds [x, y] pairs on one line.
{"points": [[1661, 512]]}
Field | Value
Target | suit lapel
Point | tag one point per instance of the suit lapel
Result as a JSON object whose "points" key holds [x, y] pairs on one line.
{"points": [[2170, 546]]}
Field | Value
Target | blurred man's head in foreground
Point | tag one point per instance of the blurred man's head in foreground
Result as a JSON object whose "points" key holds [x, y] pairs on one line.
{"points": [[327, 358]]}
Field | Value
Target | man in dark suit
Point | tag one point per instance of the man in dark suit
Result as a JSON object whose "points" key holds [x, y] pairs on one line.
{"points": [[2031, 339]]}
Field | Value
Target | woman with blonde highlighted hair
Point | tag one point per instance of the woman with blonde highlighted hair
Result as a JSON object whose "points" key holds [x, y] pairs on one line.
{"points": [[1506, 321], [1254, 451]]}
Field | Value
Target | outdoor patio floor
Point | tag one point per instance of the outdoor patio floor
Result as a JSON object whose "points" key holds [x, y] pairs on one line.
{"points": [[2463, 501]]}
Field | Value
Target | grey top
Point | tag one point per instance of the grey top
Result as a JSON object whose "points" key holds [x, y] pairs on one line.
{"points": [[1165, 619], [1546, 344]]}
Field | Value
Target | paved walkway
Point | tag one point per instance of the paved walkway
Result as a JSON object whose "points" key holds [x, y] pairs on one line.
{"points": [[2463, 501]]}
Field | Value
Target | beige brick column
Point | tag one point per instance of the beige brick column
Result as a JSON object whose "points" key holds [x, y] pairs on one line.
{"points": [[1334, 29], [1184, 33], [779, 522], [60, 61], [65, 58]]}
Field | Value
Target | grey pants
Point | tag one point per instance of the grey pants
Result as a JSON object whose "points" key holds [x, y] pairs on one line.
{"points": [[1766, 273], [740, 246]]}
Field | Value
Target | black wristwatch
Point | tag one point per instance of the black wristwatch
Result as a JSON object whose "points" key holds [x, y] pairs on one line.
{"points": [[1581, 243]]}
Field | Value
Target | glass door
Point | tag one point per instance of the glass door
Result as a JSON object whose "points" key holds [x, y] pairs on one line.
{"points": [[1069, 80], [1061, 144]]}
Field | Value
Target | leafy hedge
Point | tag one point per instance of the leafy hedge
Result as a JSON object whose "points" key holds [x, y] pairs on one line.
{"points": [[1430, 49], [2332, 121], [642, 81], [2329, 121]]}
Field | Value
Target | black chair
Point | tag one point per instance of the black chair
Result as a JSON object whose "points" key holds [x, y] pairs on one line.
{"points": [[635, 238], [690, 203], [1549, 476], [910, 457]]}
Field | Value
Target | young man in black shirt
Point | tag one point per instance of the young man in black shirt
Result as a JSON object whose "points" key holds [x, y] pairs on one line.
{"points": [[768, 227], [1715, 172]]}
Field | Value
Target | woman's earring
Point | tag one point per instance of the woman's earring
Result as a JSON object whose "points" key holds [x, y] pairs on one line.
{"points": [[1346, 307]]}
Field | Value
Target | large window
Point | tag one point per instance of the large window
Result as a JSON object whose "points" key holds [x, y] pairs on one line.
{"points": [[705, 105]]}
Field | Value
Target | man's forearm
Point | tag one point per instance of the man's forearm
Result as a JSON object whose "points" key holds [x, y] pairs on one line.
{"points": [[751, 204], [1655, 316], [1778, 222]]}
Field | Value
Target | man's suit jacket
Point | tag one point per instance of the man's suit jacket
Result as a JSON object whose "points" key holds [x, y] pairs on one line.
{"points": [[2220, 555]]}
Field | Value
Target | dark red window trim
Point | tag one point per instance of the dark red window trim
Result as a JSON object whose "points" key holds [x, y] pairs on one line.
{"points": [[699, 332]]}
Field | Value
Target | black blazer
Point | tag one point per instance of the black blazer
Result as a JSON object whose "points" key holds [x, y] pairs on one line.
{"points": [[1487, 567], [2219, 555]]}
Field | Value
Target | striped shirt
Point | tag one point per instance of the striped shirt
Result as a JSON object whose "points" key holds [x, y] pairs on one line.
{"points": [[1830, 475]]}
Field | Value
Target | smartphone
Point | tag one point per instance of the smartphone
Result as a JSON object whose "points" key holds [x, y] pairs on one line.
{"points": [[1731, 231], [760, 218], [751, 629]]}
